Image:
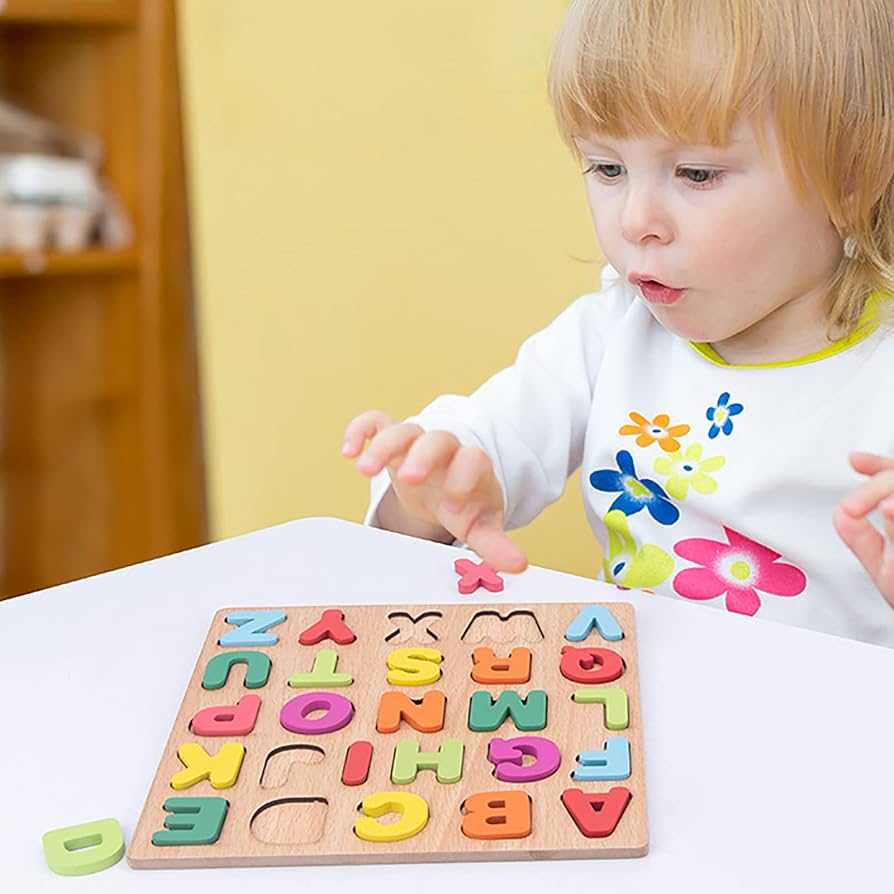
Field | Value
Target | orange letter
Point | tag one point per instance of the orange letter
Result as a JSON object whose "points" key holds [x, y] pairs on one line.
{"points": [[489, 815], [426, 716], [490, 669]]}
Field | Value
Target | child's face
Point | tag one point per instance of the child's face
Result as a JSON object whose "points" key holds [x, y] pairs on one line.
{"points": [[723, 225]]}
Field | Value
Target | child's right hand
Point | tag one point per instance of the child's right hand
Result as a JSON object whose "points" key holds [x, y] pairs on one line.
{"points": [[437, 482]]}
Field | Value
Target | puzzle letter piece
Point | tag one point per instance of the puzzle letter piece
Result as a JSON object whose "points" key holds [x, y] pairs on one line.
{"points": [[192, 821], [357, 761], [413, 812], [476, 574], [588, 665], [596, 815], [528, 715], [424, 717], [322, 674], [221, 769], [591, 616], [294, 714], [615, 701], [257, 669], [227, 720], [86, 848], [414, 667], [447, 761], [508, 755], [330, 626], [251, 628], [488, 669], [612, 762], [488, 816]]}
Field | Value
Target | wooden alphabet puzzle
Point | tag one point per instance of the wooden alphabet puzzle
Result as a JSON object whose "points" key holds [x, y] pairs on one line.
{"points": [[376, 734]]}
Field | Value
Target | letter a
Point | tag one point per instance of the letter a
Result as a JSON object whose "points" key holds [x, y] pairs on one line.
{"points": [[596, 814]]}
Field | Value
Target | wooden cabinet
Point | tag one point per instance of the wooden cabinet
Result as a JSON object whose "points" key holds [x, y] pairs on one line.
{"points": [[100, 438]]}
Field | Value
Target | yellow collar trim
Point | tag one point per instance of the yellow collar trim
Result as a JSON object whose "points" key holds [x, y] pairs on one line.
{"points": [[866, 325]]}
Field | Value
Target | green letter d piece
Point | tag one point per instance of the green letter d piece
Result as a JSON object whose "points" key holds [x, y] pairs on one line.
{"points": [[80, 850]]}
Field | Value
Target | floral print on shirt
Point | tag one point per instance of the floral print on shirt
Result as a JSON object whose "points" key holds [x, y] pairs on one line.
{"points": [[634, 493], [658, 431], [686, 468], [628, 565], [721, 415], [739, 568]]}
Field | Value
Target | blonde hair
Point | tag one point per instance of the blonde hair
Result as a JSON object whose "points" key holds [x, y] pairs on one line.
{"points": [[686, 70]]}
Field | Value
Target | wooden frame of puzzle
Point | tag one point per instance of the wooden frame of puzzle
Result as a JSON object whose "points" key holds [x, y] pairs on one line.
{"points": [[378, 734]]}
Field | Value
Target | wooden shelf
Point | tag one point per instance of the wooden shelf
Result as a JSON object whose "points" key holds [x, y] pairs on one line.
{"points": [[85, 263], [101, 458], [70, 12]]}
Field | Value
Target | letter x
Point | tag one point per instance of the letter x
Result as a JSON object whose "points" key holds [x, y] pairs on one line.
{"points": [[474, 575]]}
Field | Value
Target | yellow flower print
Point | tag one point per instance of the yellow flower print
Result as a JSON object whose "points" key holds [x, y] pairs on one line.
{"points": [[658, 430], [685, 468], [628, 565]]}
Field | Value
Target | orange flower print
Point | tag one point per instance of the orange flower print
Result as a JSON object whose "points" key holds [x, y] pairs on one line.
{"points": [[658, 430]]}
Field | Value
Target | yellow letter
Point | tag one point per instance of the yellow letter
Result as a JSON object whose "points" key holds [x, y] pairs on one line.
{"points": [[412, 808], [221, 770], [414, 667]]}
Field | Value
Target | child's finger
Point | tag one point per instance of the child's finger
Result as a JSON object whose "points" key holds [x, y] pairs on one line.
{"points": [[863, 539], [361, 428], [492, 544], [431, 451], [869, 463], [887, 512], [469, 468], [868, 495], [387, 445]]}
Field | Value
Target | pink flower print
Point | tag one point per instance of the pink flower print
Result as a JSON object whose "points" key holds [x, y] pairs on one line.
{"points": [[739, 568]]}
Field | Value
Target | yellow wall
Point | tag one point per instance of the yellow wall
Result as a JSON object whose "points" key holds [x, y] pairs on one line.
{"points": [[382, 211]]}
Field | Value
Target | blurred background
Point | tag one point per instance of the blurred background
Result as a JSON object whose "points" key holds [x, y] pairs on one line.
{"points": [[226, 228]]}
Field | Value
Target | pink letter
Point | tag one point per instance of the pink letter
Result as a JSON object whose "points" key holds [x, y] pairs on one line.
{"points": [[508, 754], [227, 720], [294, 714]]}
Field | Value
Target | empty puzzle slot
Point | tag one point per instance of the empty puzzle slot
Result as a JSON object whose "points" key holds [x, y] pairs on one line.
{"points": [[491, 626], [290, 821], [408, 628], [279, 763]]}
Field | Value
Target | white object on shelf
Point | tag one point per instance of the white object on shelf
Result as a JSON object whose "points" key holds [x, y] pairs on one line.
{"points": [[47, 201], [48, 179]]}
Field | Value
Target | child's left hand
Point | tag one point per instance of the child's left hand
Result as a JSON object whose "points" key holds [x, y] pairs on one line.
{"points": [[874, 548]]}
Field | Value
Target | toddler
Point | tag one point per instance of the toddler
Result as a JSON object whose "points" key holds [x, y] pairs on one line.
{"points": [[728, 392]]}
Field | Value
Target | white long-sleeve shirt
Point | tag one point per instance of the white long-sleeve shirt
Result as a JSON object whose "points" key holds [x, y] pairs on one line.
{"points": [[702, 480]]}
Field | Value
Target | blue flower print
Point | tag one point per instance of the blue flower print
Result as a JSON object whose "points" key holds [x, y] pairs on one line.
{"points": [[635, 493], [721, 415]]}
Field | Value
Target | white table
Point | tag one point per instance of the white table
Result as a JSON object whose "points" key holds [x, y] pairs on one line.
{"points": [[769, 750]]}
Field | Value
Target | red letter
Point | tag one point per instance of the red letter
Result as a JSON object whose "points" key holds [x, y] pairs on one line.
{"points": [[330, 626], [596, 815], [591, 665]]}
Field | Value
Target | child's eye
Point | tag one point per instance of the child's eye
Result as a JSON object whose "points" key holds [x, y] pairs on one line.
{"points": [[605, 171], [700, 178]]}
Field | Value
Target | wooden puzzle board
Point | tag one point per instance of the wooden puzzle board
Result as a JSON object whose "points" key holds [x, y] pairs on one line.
{"points": [[289, 804]]}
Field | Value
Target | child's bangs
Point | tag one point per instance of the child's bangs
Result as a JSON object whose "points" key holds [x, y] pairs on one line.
{"points": [[684, 71]]}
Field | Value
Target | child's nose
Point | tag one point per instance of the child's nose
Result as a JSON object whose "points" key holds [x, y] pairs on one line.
{"points": [[643, 217]]}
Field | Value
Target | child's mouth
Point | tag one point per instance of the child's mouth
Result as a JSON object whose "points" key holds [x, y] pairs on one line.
{"points": [[658, 293]]}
